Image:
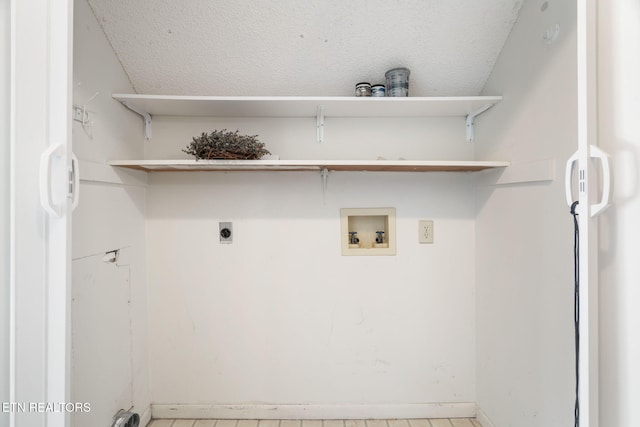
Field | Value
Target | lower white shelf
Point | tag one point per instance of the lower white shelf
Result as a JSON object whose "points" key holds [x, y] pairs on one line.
{"points": [[309, 165]]}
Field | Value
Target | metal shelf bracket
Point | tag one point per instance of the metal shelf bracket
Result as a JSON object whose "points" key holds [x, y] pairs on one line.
{"points": [[471, 119], [324, 174], [146, 118], [320, 124]]}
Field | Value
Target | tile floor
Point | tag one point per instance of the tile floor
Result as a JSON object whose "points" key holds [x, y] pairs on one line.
{"points": [[454, 422]]}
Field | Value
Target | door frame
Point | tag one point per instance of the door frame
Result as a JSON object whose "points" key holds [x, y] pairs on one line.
{"points": [[588, 208]]}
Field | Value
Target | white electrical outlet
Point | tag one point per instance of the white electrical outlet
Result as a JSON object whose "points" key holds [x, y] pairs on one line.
{"points": [[425, 231]]}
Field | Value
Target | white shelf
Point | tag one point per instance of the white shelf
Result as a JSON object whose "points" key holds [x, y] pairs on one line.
{"points": [[294, 106], [309, 165]]}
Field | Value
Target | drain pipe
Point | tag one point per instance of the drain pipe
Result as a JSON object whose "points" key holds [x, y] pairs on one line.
{"points": [[126, 419]]}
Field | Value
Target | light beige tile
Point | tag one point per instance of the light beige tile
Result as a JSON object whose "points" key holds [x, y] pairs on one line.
{"points": [[441, 422], [268, 423], [333, 423], [419, 422], [376, 423], [226, 423], [398, 423], [247, 423], [354, 423], [311, 423]]}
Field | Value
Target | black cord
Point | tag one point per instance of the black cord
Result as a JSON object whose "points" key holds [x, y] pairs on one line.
{"points": [[576, 307]]}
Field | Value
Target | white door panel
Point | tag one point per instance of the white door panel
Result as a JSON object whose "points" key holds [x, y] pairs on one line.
{"points": [[4, 207], [39, 265]]}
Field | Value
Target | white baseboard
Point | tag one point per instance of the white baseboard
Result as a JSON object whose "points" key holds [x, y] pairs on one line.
{"points": [[482, 418], [250, 411], [145, 417]]}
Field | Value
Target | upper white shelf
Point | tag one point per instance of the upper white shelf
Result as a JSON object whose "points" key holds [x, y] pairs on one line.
{"points": [[309, 165], [294, 106]]}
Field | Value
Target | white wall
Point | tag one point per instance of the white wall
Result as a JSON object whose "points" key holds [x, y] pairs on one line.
{"points": [[279, 317], [524, 231], [110, 216], [619, 108], [440, 138], [4, 202]]}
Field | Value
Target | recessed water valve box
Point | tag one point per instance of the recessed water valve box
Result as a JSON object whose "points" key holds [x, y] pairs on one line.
{"points": [[368, 231]]}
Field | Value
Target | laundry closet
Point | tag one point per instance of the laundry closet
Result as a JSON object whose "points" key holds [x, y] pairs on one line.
{"points": [[229, 289], [171, 322]]}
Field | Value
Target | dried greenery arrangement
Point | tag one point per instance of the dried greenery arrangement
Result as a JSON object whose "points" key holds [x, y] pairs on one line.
{"points": [[223, 144]]}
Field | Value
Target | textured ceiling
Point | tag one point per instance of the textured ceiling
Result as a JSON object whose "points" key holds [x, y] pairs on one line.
{"points": [[304, 47]]}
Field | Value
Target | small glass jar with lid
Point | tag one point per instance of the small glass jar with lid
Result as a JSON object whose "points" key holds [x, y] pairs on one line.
{"points": [[363, 89], [378, 90]]}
